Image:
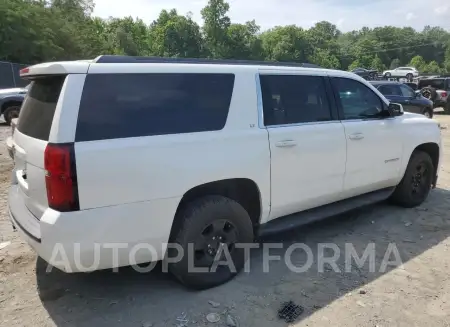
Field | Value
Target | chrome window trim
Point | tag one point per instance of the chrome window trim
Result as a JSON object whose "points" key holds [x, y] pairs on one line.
{"points": [[304, 124], [259, 102]]}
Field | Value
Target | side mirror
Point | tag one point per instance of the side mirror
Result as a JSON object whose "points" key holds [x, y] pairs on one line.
{"points": [[395, 109], [417, 94]]}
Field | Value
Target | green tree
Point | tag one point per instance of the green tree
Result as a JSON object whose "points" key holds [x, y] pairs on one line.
{"points": [[173, 35], [395, 63], [287, 43], [432, 67], [377, 64], [243, 42], [418, 62], [215, 28], [324, 58], [354, 64]]}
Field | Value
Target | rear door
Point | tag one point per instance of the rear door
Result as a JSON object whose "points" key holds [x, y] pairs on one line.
{"points": [[307, 142], [30, 140]]}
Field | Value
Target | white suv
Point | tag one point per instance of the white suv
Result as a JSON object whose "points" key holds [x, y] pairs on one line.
{"points": [[141, 153], [408, 72]]}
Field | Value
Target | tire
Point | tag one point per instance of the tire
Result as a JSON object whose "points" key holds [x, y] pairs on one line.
{"points": [[409, 77], [202, 222], [412, 190], [10, 113], [429, 93], [387, 75], [428, 112]]}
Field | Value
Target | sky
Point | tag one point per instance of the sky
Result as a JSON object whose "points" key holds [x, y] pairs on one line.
{"points": [[346, 14]]}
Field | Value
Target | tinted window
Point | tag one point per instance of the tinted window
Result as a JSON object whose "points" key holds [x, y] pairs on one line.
{"points": [[291, 99], [406, 91], [130, 105], [38, 109], [357, 100], [390, 89], [434, 83]]}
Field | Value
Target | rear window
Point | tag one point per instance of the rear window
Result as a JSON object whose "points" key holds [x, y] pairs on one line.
{"points": [[131, 105], [438, 84], [38, 109]]}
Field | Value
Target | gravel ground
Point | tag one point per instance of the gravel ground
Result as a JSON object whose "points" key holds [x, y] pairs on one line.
{"points": [[414, 294]]}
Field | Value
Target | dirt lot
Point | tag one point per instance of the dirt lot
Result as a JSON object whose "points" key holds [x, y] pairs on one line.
{"points": [[415, 294]]}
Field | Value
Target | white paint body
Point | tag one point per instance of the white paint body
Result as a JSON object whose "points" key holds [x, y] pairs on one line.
{"points": [[129, 189], [402, 72]]}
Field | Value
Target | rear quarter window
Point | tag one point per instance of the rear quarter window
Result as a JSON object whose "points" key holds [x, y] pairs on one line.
{"points": [[38, 108], [131, 105]]}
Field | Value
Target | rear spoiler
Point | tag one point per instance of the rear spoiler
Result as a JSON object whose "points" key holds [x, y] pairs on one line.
{"points": [[55, 68]]}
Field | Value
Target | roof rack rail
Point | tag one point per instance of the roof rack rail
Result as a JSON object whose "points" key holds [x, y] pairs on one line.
{"points": [[111, 59]]}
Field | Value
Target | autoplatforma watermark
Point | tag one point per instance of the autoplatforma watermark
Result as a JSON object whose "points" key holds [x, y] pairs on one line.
{"points": [[321, 257]]}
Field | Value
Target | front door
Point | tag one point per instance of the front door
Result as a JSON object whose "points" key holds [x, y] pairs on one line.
{"points": [[307, 142], [373, 146], [410, 101]]}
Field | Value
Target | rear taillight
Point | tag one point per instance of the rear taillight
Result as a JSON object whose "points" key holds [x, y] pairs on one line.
{"points": [[444, 94], [24, 71], [60, 177]]}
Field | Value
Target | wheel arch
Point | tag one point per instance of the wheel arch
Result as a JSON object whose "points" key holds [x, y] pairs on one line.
{"points": [[432, 149], [9, 103], [242, 190]]}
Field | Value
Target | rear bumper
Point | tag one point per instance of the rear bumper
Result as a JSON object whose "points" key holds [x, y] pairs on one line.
{"points": [[440, 103], [95, 239]]}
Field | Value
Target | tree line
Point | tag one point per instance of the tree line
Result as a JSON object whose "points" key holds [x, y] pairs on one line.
{"points": [[33, 31]]}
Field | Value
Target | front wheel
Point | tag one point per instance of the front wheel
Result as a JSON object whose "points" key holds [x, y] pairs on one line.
{"points": [[428, 112], [409, 77], [210, 230], [415, 185], [387, 75]]}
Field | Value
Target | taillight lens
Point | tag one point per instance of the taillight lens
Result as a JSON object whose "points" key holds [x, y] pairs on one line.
{"points": [[444, 94], [60, 177], [24, 71]]}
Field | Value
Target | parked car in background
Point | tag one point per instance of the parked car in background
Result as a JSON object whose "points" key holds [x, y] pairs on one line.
{"points": [[410, 100], [11, 101], [412, 85], [408, 72], [368, 74], [436, 89]]}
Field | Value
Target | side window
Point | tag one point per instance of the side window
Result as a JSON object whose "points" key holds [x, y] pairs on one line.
{"points": [[131, 105], [292, 99], [357, 100], [407, 91], [392, 89]]}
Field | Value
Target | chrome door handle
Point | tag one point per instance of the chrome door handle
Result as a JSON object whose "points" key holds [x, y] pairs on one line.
{"points": [[286, 144], [356, 136]]}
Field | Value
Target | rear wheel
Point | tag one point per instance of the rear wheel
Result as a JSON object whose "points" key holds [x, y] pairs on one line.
{"points": [[209, 229], [409, 77], [416, 183], [387, 75], [10, 113]]}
